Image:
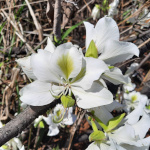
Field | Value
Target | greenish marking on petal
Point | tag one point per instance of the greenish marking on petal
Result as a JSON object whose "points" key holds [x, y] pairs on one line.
{"points": [[65, 63], [80, 75], [134, 98]]}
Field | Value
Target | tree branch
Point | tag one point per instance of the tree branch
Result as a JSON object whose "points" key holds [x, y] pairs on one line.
{"points": [[17, 125]]}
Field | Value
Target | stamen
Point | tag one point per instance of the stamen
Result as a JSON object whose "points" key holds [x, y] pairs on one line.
{"points": [[67, 88]]}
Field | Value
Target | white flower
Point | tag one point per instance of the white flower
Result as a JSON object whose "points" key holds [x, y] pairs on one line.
{"points": [[132, 100], [106, 37], [96, 12], [131, 135], [113, 8], [129, 87], [58, 114], [110, 49], [63, 71]]}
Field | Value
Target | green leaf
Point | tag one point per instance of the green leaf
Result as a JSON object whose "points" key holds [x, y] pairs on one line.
{"points": [[70, 30], [100, 122], [148, 107], [112, 123], [92, 50], [41, 124], [67, 101], [97, 136], [2, 26]]}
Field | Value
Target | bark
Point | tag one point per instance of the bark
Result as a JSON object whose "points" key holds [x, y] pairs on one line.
{"points": [[22, 121]]}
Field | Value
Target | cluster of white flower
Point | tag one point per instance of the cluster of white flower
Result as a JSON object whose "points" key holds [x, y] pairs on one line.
{"points": [[65, 72]]}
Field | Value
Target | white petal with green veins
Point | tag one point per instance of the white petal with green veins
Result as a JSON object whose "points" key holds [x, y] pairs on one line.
{"points": [[66, 61]]}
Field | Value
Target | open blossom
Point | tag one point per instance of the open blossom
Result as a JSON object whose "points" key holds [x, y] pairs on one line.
{"points": [[61, 116], [132, 100], [106, 38], [64, 70], [129, 87], [130, 135]]}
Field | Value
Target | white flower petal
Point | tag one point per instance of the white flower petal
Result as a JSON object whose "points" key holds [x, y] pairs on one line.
{"points": [[115, 76], [96, 96], [93, 146], [132, 147], [42, 67], [38, 93], [53, 130], [142, 126], [94, 69], [25, 64], [67, 61], [69, 120], [134, 116], [124, 134], [118, 51], [37, 120], [129, 87], [49, 119], [145, 141], [104, 146], [50, 46], [102, 113], [105, 29], [114, 106], [89, 33], [18, 143]]}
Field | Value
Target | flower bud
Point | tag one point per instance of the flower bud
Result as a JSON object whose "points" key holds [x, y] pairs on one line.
{"points": [[96, 12]]}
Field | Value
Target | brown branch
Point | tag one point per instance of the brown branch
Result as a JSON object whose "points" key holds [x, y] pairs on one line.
{"points": [[57, 19], [17, 125]]}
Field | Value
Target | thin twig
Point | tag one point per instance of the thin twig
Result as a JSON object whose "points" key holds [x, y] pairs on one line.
{"points": [[18, 33], [37, 24], [144, 43], [16, 6], [57, 19], [135, 13], [75, 126]]}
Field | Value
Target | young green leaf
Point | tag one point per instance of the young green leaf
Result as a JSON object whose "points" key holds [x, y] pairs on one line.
{"points": [[41, 124], [100, 122], [97, 136], [67, 101], [92, 50], [70, 30], [112, 123]]}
